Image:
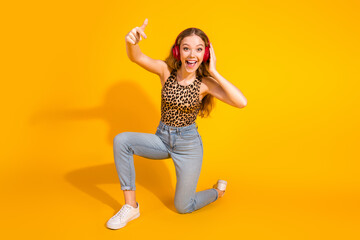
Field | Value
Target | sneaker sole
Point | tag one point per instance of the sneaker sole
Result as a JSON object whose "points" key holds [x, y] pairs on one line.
{"points": [[122, 225]]}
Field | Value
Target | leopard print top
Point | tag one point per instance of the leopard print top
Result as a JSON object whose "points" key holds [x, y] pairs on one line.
{"points": [[180, 104]]}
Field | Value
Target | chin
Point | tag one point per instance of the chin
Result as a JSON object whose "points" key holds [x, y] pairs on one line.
{"points": [[191, 70]]}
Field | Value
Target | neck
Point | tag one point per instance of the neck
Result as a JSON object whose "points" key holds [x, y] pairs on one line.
{"points": [[184, 75]]}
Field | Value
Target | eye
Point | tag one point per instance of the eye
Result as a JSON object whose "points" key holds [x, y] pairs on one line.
{"points": [[200, 49], [185, 48]]}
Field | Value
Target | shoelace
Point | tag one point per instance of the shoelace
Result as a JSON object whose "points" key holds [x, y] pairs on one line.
{"points": [[125, 209]]}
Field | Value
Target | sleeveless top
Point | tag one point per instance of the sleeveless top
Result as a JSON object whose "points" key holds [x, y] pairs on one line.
{"points": [[180, 104]]}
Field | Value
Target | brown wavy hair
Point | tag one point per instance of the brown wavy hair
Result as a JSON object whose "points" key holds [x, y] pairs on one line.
{"points": [[207, 103]]}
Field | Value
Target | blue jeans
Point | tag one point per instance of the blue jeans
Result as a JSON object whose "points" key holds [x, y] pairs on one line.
{"points": [[183, 145]]}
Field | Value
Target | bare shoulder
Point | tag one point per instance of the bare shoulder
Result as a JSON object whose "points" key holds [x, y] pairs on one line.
{"points": [[166, 74], [206, 83]]}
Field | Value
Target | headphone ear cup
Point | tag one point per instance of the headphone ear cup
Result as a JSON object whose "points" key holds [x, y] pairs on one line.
{"points": [[176, 52], [206, 54]]}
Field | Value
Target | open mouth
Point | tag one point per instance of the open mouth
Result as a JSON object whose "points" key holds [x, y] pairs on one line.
{"points": [[190, 63]]}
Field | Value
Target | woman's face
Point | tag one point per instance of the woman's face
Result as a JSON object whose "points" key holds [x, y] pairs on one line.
{"points": [[192, 49]]}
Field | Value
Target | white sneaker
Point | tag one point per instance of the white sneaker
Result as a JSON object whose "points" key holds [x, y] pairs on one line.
{"points": [[221, 185], [122, 217]]}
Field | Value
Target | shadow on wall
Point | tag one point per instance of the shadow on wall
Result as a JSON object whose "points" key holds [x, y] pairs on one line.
{"points": [[126, 108]]}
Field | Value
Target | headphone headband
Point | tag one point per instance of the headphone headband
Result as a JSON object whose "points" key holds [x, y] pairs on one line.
{"points": [[196, 35]]}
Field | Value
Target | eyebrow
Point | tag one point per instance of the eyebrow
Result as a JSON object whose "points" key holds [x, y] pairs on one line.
{"points": [[196, 45]]}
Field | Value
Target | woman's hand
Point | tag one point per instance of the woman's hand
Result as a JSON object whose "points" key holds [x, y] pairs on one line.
{"points": [[212, 67], [134, 36]]}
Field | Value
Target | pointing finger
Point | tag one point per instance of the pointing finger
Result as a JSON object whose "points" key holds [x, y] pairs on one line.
{"points": [[144, 24], [139, 30]]}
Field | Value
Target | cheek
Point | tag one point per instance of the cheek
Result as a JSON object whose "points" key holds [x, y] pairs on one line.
{"points": [[182, 54], [201, 56]]}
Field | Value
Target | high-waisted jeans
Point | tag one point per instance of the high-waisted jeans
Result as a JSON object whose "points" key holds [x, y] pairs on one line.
{"points": [[183, 145]]}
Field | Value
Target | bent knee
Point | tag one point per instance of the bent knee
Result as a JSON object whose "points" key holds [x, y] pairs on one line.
{"points": [[121, 138], [182, 208]]}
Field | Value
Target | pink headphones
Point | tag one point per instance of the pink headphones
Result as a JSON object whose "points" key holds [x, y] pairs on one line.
{"points": [[176, 50]]}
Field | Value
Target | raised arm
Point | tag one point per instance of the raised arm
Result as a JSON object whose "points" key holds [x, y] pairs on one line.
{"points": [[135, 55]]}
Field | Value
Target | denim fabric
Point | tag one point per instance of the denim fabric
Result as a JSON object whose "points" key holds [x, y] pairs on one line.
{"points": [[183, 145]]}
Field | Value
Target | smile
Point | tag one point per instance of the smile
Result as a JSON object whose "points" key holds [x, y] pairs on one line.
{"points": [[190, 63]]}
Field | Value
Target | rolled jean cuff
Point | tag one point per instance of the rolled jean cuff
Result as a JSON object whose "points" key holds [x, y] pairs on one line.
{"points": [[128, 188], [217, 194]]}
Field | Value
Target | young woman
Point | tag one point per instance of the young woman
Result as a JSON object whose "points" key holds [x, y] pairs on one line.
{"points": [[189, 83]]}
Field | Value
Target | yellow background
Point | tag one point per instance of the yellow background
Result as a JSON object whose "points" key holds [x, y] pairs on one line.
{"points": [[291, 156]]}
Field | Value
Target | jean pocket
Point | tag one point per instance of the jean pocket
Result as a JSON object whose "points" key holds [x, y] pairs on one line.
{"points": [[160, 131], [189, 135]]}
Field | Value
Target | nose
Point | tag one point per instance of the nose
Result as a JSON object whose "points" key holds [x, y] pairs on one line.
{"points": [[192, 53]]}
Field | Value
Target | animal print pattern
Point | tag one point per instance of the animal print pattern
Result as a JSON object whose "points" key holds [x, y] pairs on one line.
{"points": [[180, 104]]}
